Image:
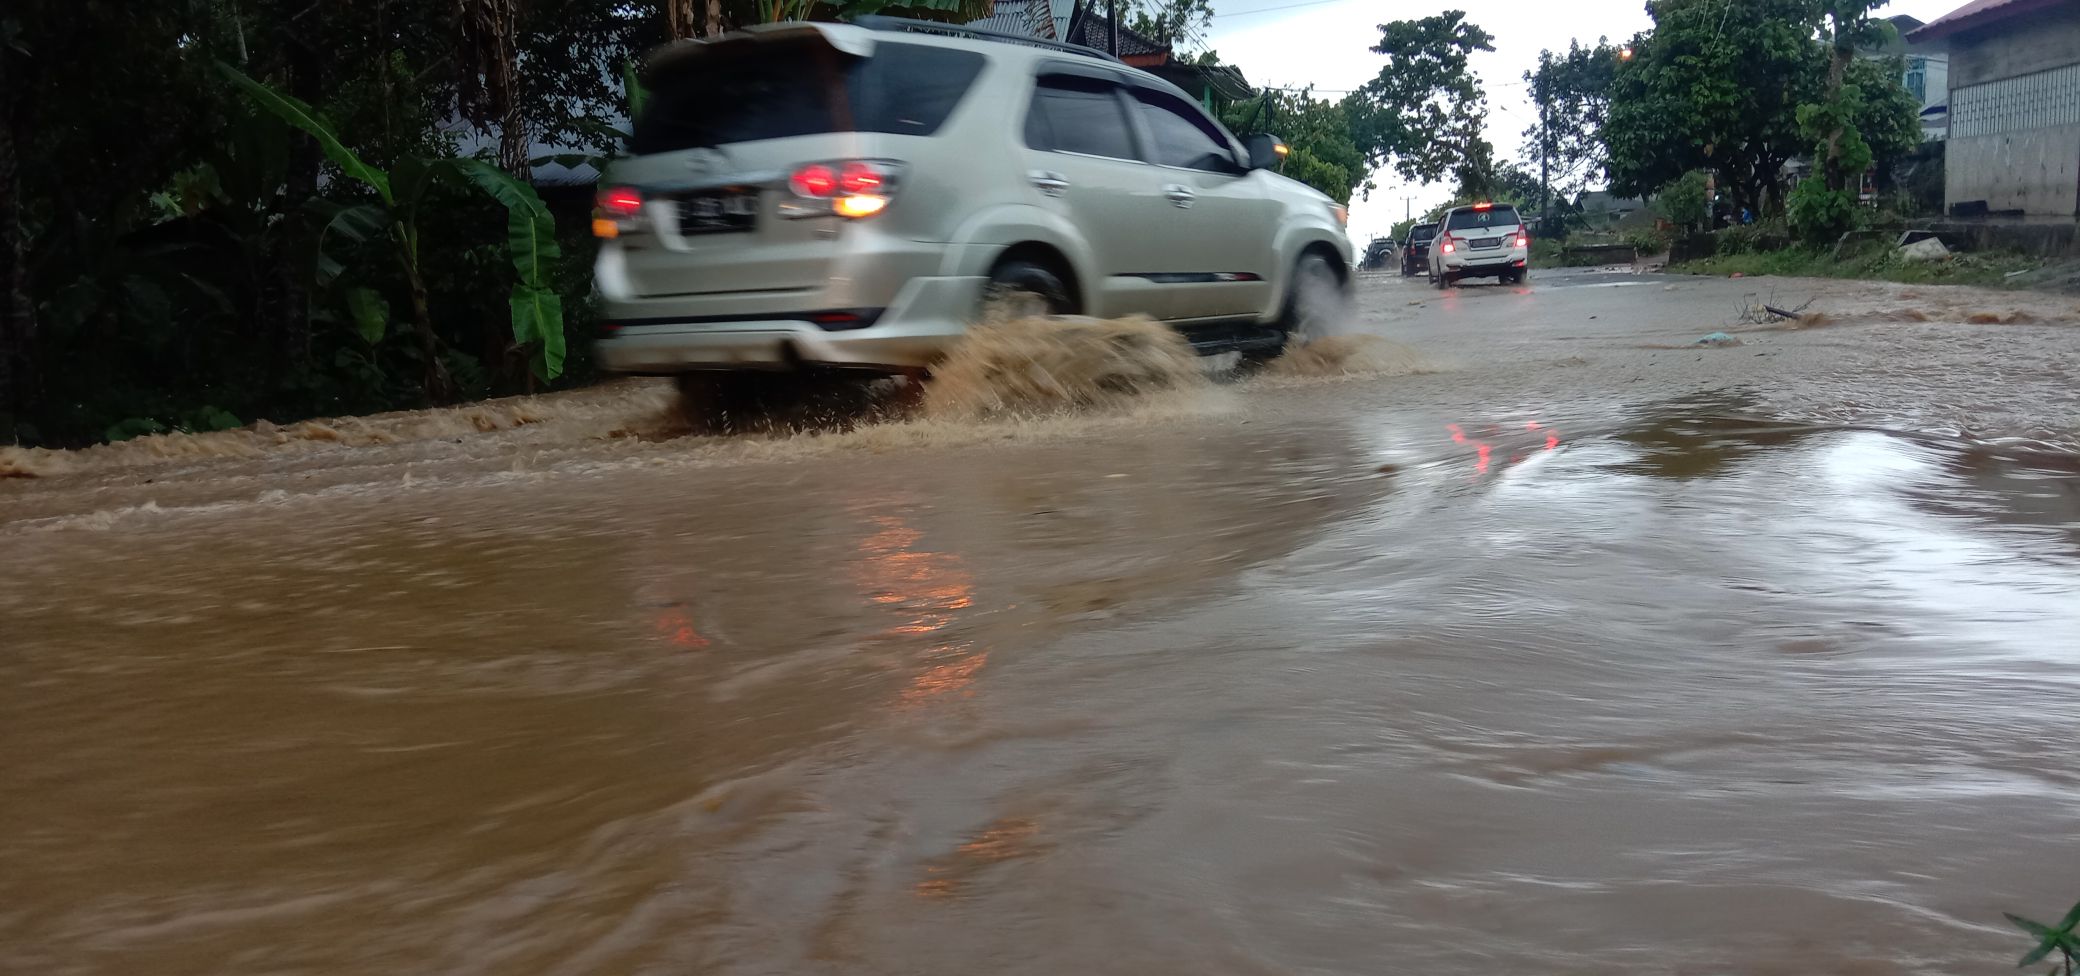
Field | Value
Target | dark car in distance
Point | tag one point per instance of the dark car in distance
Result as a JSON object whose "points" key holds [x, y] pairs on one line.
{"points": [[1415, 251]]}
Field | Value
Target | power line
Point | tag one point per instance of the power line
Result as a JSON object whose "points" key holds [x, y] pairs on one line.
{"points": [[1283, 6]]}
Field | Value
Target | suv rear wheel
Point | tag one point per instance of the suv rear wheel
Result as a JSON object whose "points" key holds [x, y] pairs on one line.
{"points": [[1020, 289]]}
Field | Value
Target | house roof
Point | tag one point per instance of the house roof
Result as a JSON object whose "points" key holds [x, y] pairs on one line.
{"points": [[1091, 29], [1044, 19], [1978, 13], [1596, 201], [1224, 80]]}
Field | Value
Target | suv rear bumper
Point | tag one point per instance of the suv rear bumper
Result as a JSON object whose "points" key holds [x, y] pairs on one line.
{"points": [[926, 315], [1496, 262]]}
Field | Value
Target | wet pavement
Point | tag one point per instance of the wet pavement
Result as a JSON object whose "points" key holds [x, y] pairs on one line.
{"points": [[1548, 642]]}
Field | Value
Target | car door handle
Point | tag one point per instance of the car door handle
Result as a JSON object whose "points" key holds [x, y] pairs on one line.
{"points": [[1050, 183], [1180, 194]]}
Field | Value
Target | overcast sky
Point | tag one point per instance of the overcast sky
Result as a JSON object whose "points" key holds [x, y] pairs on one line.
{"points": [[1294, 43]]}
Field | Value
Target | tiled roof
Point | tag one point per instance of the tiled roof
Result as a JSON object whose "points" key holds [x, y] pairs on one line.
{"points": [[1978, 13], [1090, 29]]}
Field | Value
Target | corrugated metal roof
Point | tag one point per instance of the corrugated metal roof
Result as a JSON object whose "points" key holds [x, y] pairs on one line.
{"points": [[1976, 14], [1044, 19], [1028, 18]]}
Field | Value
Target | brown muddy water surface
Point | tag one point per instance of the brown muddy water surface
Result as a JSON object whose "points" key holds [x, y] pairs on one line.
{"points": [[1533, 641]]}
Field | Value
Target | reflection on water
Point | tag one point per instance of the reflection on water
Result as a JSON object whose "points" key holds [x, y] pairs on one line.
{"points": [[927, 589], [1698, 692], [1519, 443]]}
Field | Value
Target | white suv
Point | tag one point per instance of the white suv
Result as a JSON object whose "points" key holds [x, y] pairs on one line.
{"points": [[1485, 240], [805, 195]]}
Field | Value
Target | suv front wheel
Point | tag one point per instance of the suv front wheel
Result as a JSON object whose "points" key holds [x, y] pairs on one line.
{"points": [[1316, 304]]}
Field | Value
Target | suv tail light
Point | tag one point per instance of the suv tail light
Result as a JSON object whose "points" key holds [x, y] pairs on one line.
{"points": [[852, 188], [1447, 245], [616, 209], [1523, 239]]}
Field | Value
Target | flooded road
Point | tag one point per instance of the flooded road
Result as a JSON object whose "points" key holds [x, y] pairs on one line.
{"points": [[1549, 643]]}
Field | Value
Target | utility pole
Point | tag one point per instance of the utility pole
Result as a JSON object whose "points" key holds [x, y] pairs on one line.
{"points": [[1410, 203], [1112, 16]]}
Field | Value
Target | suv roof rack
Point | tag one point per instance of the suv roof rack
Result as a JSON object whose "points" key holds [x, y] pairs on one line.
{"points": [[909, 25]]}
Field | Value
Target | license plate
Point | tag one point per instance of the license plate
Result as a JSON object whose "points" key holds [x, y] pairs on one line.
{"points": [[719, 212], [1483, 245]]}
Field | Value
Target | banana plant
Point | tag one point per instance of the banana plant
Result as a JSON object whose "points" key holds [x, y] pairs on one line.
{"points": [[537, 311]]}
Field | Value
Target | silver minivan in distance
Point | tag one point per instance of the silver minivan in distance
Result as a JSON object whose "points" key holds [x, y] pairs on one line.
{"points": [[801, 196], [1482, 240]]}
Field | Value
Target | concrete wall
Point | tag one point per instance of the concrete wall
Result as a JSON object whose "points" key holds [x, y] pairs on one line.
{"points": [[2036, 171], [2016, 46], [2013, 143]]}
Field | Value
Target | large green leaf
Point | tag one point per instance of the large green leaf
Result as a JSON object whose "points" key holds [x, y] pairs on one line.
{"points": [[2072, 919], [356, 223], [530, 230], [632, 84], [302, 116], [531, 243], [538, 321], [371, 314]]}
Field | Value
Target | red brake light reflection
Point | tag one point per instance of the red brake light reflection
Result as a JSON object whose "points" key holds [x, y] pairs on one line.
{"points": [[814, 181]]}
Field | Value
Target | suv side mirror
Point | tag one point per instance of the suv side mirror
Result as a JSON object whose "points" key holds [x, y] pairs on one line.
{"points": [[1266, 151]]}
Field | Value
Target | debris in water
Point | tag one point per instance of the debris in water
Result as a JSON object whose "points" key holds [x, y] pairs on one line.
{"points": [[2017, 317], [1718, 339], [578, 414], [1050, 365], [31, 462]]}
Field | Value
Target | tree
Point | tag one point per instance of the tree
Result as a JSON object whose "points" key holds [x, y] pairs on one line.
{"points": [[1709, 90], [537, 312], [1573, 92], [1476, 170], [1324, 153], [1863, 109], [1422, 112], [1179, 24], [1885, 113], [1518, 185], [1850, 25]]}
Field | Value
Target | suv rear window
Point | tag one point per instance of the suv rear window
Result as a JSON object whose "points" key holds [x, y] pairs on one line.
{"points": [[1422, 232], [1500, 215], [806, 88]]}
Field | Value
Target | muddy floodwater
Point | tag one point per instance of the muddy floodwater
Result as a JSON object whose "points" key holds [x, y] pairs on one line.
{"points": [[1537, 639]]}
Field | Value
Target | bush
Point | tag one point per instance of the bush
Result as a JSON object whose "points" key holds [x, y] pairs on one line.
{"points": [[1685, 201], [1819, 215], [1650, 240], [1755, 238]]}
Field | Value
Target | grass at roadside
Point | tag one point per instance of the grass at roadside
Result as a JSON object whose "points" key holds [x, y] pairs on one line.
{"points": [[1991, 269]]}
